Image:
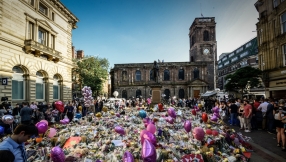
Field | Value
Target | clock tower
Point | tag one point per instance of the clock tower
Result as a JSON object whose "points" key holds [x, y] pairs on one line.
{"points": [[202, 36]]}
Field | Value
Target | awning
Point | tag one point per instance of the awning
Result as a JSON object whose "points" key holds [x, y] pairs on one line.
{"points": [[208, 94]]}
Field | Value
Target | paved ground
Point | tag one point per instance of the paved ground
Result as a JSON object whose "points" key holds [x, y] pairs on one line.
{"points": [[264, 146]]}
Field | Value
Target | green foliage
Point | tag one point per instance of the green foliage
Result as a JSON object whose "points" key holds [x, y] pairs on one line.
{"points": [[93, 72], [239, 79]]}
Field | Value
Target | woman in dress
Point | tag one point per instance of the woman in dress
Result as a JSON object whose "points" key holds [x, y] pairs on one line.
{"points": [[240, 116]]}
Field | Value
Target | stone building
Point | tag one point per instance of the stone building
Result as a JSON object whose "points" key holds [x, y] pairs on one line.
{"points": [[271, 35], [36, 50], [180, 79]]}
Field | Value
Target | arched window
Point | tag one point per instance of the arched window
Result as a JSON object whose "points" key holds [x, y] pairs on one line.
{"points": [[206, 36], [138, 93], [124, 94], [56, 88], [167, 94], [18, 83], [181, 74], [192, 58], [151, 75], [138, 75], [166, 75], [193, 40], [124, 76], [196, 73], [40, 86], [181, 93]]}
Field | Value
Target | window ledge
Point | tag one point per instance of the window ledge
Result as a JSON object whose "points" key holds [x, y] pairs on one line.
{"points": [[38, 50]]}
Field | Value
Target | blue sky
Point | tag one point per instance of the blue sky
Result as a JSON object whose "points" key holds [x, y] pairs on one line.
{"points": [[135, 31]]}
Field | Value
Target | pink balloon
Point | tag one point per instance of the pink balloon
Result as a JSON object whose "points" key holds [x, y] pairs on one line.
{"points": [[128, 157], [52, 132], [66, 120], [214, 118], [117, 114], [188, 126], [42, 127], [119, 130], [217, 115], [215, 110], [57, 154], [45, 121], [170, 120], [215, 132], [171, 112], [62, 122], [198, 133], [151, 128], [149, 136], [148, 151], [142, 133], [146, 120]]}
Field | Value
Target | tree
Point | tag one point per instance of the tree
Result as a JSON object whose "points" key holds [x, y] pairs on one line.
{"points": [[241, 78], [93, 72]]}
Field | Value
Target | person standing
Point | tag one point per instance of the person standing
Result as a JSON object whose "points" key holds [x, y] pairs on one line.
{"points": [[69, 109], [263, 108], [240, 116], [233, 112], [15, 143], [270, 116], [247, 116], [26, 114], [279, 115]]}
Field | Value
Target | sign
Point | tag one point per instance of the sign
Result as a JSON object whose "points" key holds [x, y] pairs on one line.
{"points": [[278, 83], [4, 81]]}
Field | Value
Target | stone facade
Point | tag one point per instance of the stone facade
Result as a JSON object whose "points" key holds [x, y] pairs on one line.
{"points": [[180, 79], [271, 35], [36, 50]]}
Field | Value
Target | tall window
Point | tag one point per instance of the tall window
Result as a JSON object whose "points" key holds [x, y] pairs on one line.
{"points": [[275, 3], [283, 22], [31, 31], [206, 36], [166, 75], [138, 75], [196, 73], [32, 2], [43, 9], [284, 53], [124, 94], [17, 83], [40, 87], [181, 93], [151, 75], [167, 93], [181, 74], [124, 76], [52, 42], [42, 36], [56, 89], [193, 40], [53, 16], [138, 93]]}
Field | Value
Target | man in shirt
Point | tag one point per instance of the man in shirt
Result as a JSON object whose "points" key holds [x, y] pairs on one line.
{"points": [[233, 112], [26, 114], [270, 117], [15, 143], [247, 115], [263, 108]]}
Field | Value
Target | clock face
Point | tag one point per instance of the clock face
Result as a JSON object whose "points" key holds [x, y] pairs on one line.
{"points": [[206, 51]]}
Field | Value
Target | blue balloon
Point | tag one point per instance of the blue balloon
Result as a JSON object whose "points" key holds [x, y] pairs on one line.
{"points": [[2, 130], [78, 115], [142, 114]]}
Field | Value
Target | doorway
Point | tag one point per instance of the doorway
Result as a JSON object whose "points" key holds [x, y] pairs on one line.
{"points": [[196, 93]]}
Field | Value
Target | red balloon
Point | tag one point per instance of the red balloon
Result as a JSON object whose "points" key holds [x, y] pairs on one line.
{"points": [[209, 132], [215, 132], [205, 117], [194, 112], [160, 107], [59, 106]]}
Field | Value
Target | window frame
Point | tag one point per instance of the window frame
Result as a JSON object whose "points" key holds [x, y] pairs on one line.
{"points": [[181, 74], [275, 3], [206, 36], [31, 29], [46, 13], [56, 84], [138, 74], [52, 41], [283, 23], [284, 54], [18, 77], [40, 80], [32, 3], [166, 71], [53, 15], [138, 91], [44, 34]]}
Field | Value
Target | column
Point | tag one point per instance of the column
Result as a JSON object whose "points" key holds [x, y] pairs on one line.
{"points": [[30, 88], [192, 92]]}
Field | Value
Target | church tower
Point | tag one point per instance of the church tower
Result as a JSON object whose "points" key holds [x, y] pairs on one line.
{"points": [[202, 36]]}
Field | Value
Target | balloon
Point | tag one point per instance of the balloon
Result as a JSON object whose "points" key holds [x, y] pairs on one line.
{"points": [[170, 120], [146, 120], [119, 130], [42, 127], [194, 112], [171, 112], [62, 122], [39, 139], [148, 152], [160, 105], [188, 126], [45, 121], [66, 120], [2, 130], [117, 114], [78, 115], [200, 106], [142, 133], [209, 132], [149, 136], [215, 132], [160, 132], [142, 114], [214, 118], [98, 114], [59, 106], [104, 109], [8, 119], [127, 157], [151, 128], [52, 132], [57, 154], [205, 117], [198, 133]]}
